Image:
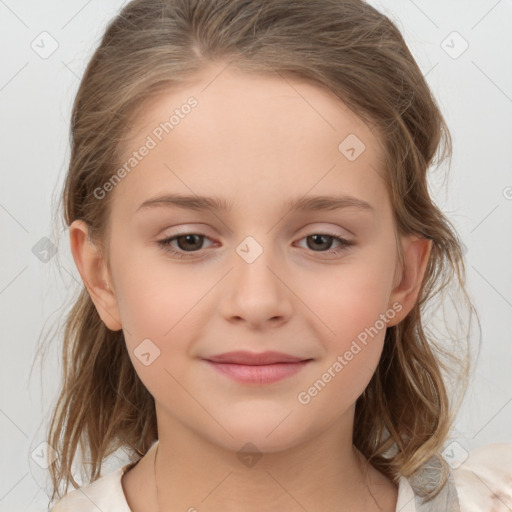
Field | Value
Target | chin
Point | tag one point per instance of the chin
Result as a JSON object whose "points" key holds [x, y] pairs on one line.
{"points": [[266, 436]]}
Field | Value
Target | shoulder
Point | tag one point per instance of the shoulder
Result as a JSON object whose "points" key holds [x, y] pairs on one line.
{"points": [[105, 493], [484, 480]]}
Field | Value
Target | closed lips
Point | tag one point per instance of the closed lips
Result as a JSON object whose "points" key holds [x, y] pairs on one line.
{"points": [[254, 359]]}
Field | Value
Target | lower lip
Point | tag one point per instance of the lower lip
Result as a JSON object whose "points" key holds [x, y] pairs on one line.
{"points": [[261, 374]]}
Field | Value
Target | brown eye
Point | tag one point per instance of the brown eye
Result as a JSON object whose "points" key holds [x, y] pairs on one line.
{"points": [[322, 243], [182, 243], [189, 242]]}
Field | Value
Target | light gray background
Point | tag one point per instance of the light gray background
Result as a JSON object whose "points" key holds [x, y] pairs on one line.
{"points": [[474, 92]]}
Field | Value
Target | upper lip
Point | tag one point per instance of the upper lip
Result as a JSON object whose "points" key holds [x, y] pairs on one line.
{"points": [[254, 358]]}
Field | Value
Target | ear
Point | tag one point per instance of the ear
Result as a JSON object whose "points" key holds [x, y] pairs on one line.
{"points": [[408, 280], [95, 274]]}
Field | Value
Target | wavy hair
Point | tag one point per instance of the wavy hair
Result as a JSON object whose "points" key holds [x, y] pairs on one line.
{"points": [[405, 414]]}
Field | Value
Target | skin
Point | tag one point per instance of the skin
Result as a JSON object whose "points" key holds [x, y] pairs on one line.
{"points": [[257, 141]]}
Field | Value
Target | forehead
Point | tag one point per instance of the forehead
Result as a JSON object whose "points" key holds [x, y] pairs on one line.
{"points": [[252, 132]]}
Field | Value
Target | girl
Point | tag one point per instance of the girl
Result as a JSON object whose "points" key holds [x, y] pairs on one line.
{"points": [[248, 208]]}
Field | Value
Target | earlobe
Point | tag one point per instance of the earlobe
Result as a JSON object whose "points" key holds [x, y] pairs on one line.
{"points": [[94, 273], [410, 278]]}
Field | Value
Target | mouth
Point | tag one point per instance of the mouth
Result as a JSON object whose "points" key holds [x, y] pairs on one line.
{"points": [[251, 368], [255, 359]]}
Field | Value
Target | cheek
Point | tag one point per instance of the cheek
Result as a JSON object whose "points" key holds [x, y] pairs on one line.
{"points": [[162, 303], [350, 297], [352, 305], [157, 307], [352, 346], [154, 294]]}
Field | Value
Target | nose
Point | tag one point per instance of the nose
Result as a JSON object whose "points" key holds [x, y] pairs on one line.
{"points": [[256, 291]]}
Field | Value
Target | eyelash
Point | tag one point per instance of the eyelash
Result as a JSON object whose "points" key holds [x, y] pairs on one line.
{"points": [[166, 245]]}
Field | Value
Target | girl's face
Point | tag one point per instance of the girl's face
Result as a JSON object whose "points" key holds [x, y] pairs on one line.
{"points": [[265, 269]]}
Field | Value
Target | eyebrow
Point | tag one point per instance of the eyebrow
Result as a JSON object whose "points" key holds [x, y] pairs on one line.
{"points": [[215, 203]]}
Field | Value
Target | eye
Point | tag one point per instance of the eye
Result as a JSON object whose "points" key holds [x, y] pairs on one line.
{"points": [[324, 241], [192, 242], [187, 242]]}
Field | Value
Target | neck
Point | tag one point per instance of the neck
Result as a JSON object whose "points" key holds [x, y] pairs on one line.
{"points": [[326, 473]]}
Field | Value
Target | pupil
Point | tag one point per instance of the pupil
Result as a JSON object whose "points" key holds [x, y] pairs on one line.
{"points": [[188, 238], [325, 244]]}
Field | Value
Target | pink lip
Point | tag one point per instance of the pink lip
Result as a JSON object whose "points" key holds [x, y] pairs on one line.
{"points": [[254, 358], [252, 368]]}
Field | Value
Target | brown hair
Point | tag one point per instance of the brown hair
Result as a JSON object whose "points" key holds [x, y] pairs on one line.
{"points": [[404, 415]]}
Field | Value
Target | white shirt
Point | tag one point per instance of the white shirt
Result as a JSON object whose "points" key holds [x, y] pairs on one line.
{"points": [[482, 483]]}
